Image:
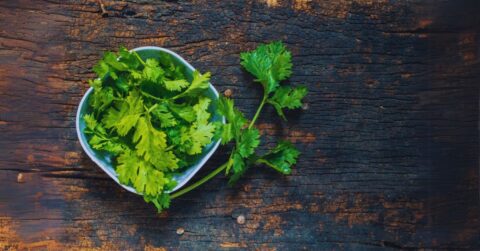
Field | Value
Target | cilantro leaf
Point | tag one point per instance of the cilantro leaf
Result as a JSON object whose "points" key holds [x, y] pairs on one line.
{"points": [[281, 158], [245, 148], [130, 58], [269, 63], [183, 111], [199, 84], [287, 97], [149, 118], [160, 201], [153, 121], [235, 120], [176, 85], [152, 71], [239, 168], [201, 110], [249, 141], [100, 140], [151, 144], [101, 97], [201, 131], [142, 175], [164, 116], [199, 136], [124, 115]]}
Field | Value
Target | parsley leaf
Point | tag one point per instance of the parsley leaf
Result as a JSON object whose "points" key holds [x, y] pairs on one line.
{"points": [[176, 85], [100, 139], [142, 175], [281, 157], [287, 97], [152, 145], [235, 120], [269, 63], [125, 114], [201, 131], [152, 71], [248, 142], [199, 84], [164, 116]]}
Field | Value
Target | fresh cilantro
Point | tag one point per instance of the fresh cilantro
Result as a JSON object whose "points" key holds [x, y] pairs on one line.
{"points": [[199, 84], [269, 63], [149, 118], [176, 85], [281, 157], [287, 97], [154, 121], [235, 120]]}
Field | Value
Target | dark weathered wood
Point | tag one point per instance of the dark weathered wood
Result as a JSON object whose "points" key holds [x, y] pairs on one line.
{"points": [[390, 140]]}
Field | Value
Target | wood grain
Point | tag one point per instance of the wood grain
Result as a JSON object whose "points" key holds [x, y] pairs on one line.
{"points": [[390, 139]]}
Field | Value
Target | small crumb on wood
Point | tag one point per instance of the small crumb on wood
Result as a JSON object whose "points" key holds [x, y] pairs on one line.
{"points": [[20, 178], [241, 219], [180, 230], [228, 93], [305, 106]]}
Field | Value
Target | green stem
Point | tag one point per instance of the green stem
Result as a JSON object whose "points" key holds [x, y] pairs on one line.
{"points": [[149, 110], [260, 107], [139, 58], [151, 96], [200, 182]]}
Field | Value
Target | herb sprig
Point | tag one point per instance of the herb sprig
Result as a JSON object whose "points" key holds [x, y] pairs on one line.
{"points": [[269, 64]]}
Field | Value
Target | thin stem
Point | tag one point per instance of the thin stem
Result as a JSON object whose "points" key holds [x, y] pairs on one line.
{"points": [[260, 107], [200, 182], [151, 108], [151, 96], [139, 58]]}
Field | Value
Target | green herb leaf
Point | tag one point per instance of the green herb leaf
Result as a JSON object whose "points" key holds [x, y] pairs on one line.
{"points": [[199, 84], [201, 132], [281, 158], [269, 63], [152, 71], [142, 175], [124, 115], [176, 85], [249, 141], [235, 120], [287, 97], [100, 139], [152, 145], [164, 116]]}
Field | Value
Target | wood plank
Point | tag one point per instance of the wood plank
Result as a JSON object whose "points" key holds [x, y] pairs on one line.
{"points": [[389, 142]]}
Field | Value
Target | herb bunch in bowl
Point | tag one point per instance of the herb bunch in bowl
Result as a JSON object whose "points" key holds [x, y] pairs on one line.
{"points": [[150, 118]]}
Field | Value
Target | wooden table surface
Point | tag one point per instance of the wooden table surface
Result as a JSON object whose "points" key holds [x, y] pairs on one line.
{"points": [[390, 139]]}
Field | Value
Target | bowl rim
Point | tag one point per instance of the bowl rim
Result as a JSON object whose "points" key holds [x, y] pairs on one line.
{"points": [[113, 175]]}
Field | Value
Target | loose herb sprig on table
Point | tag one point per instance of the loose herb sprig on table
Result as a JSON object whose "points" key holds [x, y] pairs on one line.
{"points": [[154, 121], [270, 64]]}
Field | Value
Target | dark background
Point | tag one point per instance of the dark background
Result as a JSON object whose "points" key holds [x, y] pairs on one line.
{"points": [[390, 139]]}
